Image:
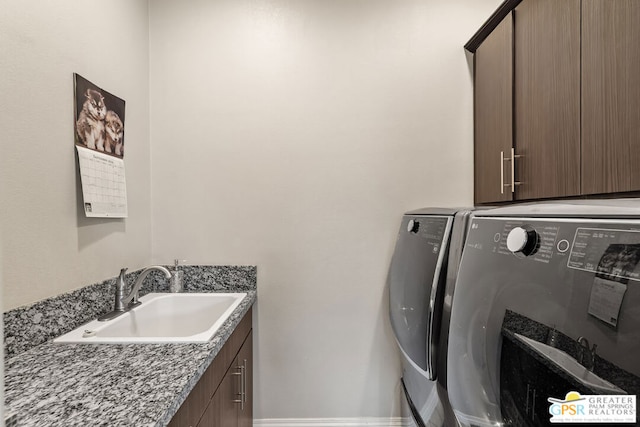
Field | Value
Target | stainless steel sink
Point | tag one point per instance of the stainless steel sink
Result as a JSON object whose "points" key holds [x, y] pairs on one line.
{"points": [[570, 365], [179, 317]]}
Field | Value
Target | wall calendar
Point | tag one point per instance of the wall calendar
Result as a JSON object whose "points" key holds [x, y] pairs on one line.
{"points": [[99, 141]]}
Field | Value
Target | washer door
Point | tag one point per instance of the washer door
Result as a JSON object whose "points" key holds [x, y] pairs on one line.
{"points": [[409, 413], [529, 328], [415, 278]]}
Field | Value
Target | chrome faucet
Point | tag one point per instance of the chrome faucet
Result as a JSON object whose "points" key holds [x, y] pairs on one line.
{"points": [[132, 298], [125, 303], [586, 356]]}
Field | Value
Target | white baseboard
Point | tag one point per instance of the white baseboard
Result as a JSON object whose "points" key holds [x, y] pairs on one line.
{"points": [[331, 422]]}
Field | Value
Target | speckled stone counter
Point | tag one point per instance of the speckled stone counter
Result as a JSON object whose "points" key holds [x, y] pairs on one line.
{"points": [[113, 385], [31, 325]]}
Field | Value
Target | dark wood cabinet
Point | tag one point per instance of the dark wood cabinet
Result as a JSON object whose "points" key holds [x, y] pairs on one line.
{"points": [[232, 403], [575, 120], [244, 363], [223, 408], [547, 98], [527, 104], [493, 99], [610, 96], [223, 397]]}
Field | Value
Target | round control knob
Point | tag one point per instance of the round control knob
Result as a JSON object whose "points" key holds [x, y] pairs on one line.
{"points": [[522, 240], [413, 226]]}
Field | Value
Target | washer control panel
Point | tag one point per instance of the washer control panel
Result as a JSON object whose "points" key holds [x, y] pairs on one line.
{"points": [[580, 244]]}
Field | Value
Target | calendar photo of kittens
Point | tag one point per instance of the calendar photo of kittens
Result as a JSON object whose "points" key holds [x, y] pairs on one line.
{"points": [[99, 118]]}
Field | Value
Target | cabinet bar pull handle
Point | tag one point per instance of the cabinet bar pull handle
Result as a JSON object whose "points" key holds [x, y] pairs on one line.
{"points": [[242, 387], [514, 156], [502, 172], [244, 382], [241, 374], [526, 408]]}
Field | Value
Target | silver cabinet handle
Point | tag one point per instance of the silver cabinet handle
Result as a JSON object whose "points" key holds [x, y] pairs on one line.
{"points": [[502, 159], [244, 382], [513, 171], [514, 156], [241, 374]]}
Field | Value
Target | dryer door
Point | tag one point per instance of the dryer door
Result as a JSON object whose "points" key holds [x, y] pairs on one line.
{"points": [[415, 279]]}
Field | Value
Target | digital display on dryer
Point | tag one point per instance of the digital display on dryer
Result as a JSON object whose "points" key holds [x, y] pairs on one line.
{"points": [[609, 253]]}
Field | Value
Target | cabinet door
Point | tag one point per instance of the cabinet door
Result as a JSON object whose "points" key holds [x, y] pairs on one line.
{"points": [[223, 408], [493, 110], [547, 98], [232, 403], [245, 360], [198, 403], [610, 96]]}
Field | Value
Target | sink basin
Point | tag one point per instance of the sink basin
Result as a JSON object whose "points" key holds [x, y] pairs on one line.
{"points": [[180, 317], [571, 366]]}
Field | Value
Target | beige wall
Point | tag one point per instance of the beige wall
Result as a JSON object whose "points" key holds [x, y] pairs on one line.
{"points": [[286, 134], [49, 247], [292, 135]]}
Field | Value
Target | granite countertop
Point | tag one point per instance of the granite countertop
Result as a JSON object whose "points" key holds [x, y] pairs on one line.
{"points": [[109, 384]]}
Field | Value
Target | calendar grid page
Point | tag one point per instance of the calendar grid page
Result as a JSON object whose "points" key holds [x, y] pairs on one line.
{"points": [[104, 187]]}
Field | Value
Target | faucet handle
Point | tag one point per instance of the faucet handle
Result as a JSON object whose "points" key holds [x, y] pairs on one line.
{"points": [[120, 280], [120, 285]]}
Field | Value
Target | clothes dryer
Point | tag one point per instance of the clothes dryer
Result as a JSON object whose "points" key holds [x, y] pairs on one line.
{"points": [[421, 284]]}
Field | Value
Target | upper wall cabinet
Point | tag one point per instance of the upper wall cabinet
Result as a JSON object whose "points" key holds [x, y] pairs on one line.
{"points": [[575, 102], [493, 113], [610, 96], [547, 98]]}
